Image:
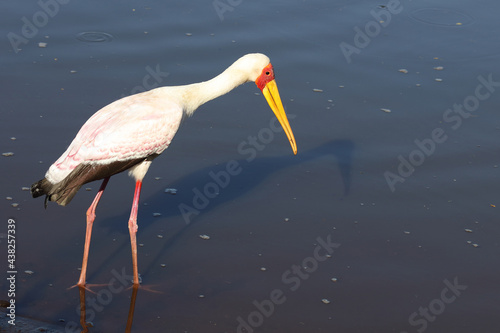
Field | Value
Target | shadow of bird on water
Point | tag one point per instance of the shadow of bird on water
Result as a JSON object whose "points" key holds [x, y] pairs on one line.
{"points": [[250, 175]]}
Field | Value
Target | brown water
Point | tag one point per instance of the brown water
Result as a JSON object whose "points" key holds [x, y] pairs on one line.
{"points": [[407, 200]]}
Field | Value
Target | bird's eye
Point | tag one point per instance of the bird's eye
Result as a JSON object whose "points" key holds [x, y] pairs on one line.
{"points": [[268, 72]]}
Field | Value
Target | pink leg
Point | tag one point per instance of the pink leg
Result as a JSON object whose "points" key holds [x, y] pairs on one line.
{"points": [[90, 221], [132, 227]]}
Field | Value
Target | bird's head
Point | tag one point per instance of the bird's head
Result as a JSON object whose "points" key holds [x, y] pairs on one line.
{"points": [[262, 73]]}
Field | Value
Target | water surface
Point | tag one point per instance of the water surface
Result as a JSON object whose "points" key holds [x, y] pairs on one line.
{"points": [[409, 197]]}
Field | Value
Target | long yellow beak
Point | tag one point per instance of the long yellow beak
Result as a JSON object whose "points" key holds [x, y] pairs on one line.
{"points": [[272, 96]]}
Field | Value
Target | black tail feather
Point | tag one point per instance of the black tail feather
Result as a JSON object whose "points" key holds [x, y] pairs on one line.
{"points": [[41, 187], [65, 190]]}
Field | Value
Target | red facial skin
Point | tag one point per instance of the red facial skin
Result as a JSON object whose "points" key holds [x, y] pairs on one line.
{"points": [[265, 77]]}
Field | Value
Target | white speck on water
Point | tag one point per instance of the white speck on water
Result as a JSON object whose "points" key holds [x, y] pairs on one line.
{"points": [[325, 301], [475, 245], [29, 272], [468, 230], [15, 205], [25, 188], [8, 154], [334, 279], [157, 178], [201, 296], [263, 269], [188, 34], [438, 80], [172, 191], [13, 138], [8, 198], [406, 232], [163, 265], [204, 237], [42, 44], [88, 189], [156, 214], [159, 236], [385, 110], [438, 68], [403, 70], [141, 245], [317, 90], [287, 219]]}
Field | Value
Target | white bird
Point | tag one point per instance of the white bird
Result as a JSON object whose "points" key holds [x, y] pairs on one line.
{"points": [[131, 132]]}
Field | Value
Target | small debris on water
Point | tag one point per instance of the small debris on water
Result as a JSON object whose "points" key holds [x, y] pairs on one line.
{"points": [[317, 90], [438, 68], [141, 245], [188, 34], [334, 279], [157, 178], [8, 198], [163, 265], [156, 214], [159, 236], [201, 296], [88, 189], [403, 70], [468, 230], [205, 237], [172, 191], [13, 138], [263, 269], [25, 188], [385, 110], [29, 272], [73, 71], [15, 205], [325, 301], [406, 232], [7, 154], [42, 44], [438, 80], [287, 219]]}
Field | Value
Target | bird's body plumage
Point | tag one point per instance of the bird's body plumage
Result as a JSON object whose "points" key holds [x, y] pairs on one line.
{"points": [[129, 133], [130, 130]]}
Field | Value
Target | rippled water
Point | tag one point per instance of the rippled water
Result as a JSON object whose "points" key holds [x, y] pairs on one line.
{"points": [[394, 108]]}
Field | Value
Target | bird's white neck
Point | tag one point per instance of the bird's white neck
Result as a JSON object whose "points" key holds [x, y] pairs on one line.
{"points": [[193, 95]]}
